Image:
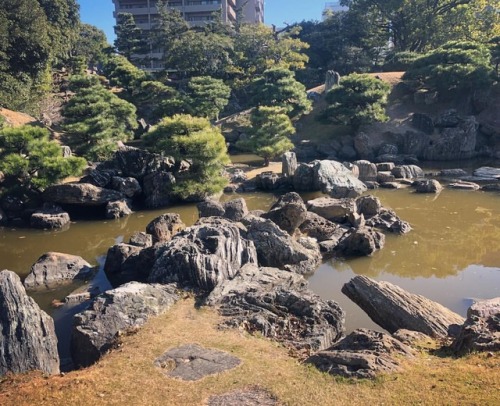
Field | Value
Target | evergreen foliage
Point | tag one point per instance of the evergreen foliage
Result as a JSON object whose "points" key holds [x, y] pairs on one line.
{"points": [[122, 73], [31, 162], [195, 140], [208, 96], [129, 40], [359, 99]]}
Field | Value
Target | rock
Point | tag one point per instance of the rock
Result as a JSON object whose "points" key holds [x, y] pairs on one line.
{"points": [[96, 330], [363, 146], [141, 239], [448, 118], [289, 212], [336, 180], [336, 210], [288, 164], [157, 189], [481, 330], [164, 227], [303, 178], [118, 209], [130, 187], [362, 354], [271, 181], [385, 166], [464, 185], [390, 185], [82, 194], [49, 217], [318, 227], [368, 206], [411, 338], [385, 177], [27, 338], [210, 208], [248, 397], [117, 255], [12, 204], [278, 305], [137, 163], [423, 122], [367, 170], [408, 172], [66, 151], [393, 308], [235, 209], [387, 220], [98, 178], [347, 152], [191, 362], [275, 248], [356, 220], [388, 149], [488, 173], [494, 187], [452, 173], [203, 255], [55, 268], [3, 217], [427, 186], [360, 242]]}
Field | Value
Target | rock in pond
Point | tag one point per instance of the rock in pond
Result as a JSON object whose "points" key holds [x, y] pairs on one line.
{"points": [[210, 208], [427, 186], [55, 268], [407, 172], [393, 308], [27, 337], [95, 331], [118, 209], [235, 209], [49, 217], [336, 180], [164, 227], [358, 242], [83, 194], [289, 212], [130, 187], [336, 210]]}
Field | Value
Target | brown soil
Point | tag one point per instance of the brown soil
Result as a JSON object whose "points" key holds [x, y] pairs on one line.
{"points": [[16, 119]]}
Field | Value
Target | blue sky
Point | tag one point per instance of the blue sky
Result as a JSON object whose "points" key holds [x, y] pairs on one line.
{"points": [[100, 12]]}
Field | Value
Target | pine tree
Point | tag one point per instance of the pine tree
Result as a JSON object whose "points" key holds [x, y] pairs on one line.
{"points": [[129, 38]]}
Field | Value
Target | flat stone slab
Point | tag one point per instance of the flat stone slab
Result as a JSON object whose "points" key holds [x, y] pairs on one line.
{"points": [[192, 362], [244, 397]]}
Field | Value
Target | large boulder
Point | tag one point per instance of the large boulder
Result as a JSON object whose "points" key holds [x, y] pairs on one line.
{"points": [[336, 210], [117, 256], [279, 305], [367, 170], [362, 354], [358, 242], [289, 212], [49, 217], [427, 186], [137, 163], [407, 172], [288, 164], [96, 330], [210, 208], [27, 337], [203, 255], [130, 187], [303, 178], [481, 330], [387, 220], [55, 268], [318, 227], [157, 189], [336, 180], [235, 209], [275, 247], [393, 308], [368, 206], [98, 178], [164, 227], [82, 194]]}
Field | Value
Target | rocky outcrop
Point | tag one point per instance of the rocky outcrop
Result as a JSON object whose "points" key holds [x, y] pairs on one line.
{"points": [[275, 247], [392, 308], [367, 170], [336, 210], [49, 217], [235, 209], [118, 209], [141, 239], [118, 255], [427, 186], [55, 268], [387, 220], [270, 181], [137, 163], [203, 255], [210, 208], [130, 187], [164, 227], [96, 330], [481, 330], [278, 305], [27, 336], [362, 354], [289, 212], [157, 189], [318, 227], [336, 180], [82, 194]]}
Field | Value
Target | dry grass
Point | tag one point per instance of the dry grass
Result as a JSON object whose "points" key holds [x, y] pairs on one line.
{"points": [[127, 376], [16, 119]]}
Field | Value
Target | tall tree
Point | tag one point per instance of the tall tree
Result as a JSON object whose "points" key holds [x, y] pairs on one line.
{"points": [[129, 40], [91, 46], [208, 96]]}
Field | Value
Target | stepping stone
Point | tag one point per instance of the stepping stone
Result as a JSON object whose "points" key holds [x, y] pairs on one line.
{"points": [[246, 397], [191, 362]]}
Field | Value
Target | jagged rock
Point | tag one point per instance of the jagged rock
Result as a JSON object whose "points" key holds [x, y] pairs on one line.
{"points": [[367, 170], [360, 242], [423, 122], [55, 268], [481, 330], [356, 220], [117, 255], [318, 227], [363, 146], [98, 178], [276, 248], [387, 220], [157, 189], [164, 227], [332, 209], [210, 208], [392, 307], [464, 185], [408, 172], [137, 163], [141, 239], [191, 362], [203, 255], [279, 305], [452, 173], [411, 338], [385, 166], [27, 337], [235, 209], [130, 187], [83, 194], [427, 186], [336, 180], [448, 118], [271, 181], [303, 178], [487, 172], [362, 354], [49, 217], [289, 212], [368, 206], [96, 330], [118, 209], [289, 164]]}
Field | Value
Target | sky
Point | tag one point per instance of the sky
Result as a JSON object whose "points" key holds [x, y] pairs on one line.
{"points": [[277, 12]]}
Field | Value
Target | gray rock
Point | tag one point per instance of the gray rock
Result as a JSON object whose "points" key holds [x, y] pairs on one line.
{"points": [[271, 181], [384, 177], [3, 217], [318, 227], [408, 172], [367, 170], [423, 122], [98, 178], [481, 330], [141, 239], [493, 187], [336, 210], [164, 227], [66, 151], [82, 194], [203, 255], [49, 217], [27, 338], [210, 208], [130, 187], [385, 166], [289, 212], [464, 185], [303, 178], [336, 180], [96, 330], [363, 146], [235, 209], [411, 338], [427, 186], [448, 118], [362, 354], [362, 241], [117, 255], [157, 189], [390, 185], [249, 397], [368, 206], [275, 247], [388, 149], [392, 307], [487, 172], [347, 152], [137, 163], [55, 268], [289, 164], [191, 362], [452, 173], [118, 209], [387, 220]]}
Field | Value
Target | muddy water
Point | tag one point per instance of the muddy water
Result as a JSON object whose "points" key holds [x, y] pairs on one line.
{"points": [[451, 256]]}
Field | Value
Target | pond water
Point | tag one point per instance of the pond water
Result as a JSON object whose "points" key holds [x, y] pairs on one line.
{"points": [[452, 255]]}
